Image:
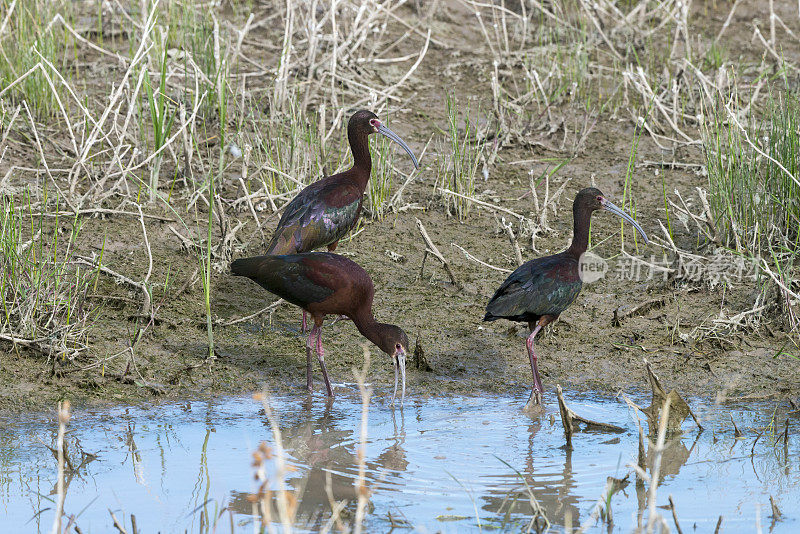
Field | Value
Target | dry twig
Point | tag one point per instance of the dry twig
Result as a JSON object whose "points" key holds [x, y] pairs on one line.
{"points": [[431, 249]]}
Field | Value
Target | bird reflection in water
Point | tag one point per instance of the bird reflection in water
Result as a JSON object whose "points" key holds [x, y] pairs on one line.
{"points": [[674, 456], [552, 490], [326, 459], [556, 491]]}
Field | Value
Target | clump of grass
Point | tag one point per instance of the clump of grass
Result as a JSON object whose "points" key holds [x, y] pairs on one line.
{"points": [[22, 38], [755, 191], [715, 56], [457, 169], [276, 502], [754, 182], [192, 30], [627, 191], [289, 149], [381, 181], [161, 119], [44, 304]]}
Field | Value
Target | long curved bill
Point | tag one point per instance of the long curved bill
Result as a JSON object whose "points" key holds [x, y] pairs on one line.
{"points": [[400, 362], [608, 206], [396, 138]]}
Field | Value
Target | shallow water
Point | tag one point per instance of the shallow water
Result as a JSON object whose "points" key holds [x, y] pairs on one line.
{"points": [[438, 465]]}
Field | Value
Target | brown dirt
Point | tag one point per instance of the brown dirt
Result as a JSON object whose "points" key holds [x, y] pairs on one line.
{"points": [[583, 350]]}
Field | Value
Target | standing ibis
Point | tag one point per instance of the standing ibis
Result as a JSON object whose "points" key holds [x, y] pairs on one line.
{"points": [[539, 290], [322, 283], [325, 211]]}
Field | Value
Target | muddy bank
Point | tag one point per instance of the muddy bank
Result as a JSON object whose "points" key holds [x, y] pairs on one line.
{"points": [[584, 350]]}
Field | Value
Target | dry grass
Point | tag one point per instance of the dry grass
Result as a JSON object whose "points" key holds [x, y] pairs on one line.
{"points": [[45, 296]]}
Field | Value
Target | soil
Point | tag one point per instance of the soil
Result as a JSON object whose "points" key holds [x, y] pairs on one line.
{"points": [[583, 350]]}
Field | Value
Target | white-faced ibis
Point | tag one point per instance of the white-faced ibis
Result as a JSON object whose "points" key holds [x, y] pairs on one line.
{"points": [[325, 211], [539, 290], [322, 283]]}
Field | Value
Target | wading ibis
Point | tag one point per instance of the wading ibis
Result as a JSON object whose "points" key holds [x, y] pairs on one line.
{"points": [[325, 211], [539, 290], [322, 283]]}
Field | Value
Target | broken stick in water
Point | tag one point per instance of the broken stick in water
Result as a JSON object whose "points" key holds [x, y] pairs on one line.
{"points": [[674, 515], [642, 459], [737, 434], [776, 513], [568, 419], [679, 408]]}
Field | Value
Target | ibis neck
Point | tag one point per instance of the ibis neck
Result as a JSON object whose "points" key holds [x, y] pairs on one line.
{"points": [[372, 330], [362, 162], [580, 232]]}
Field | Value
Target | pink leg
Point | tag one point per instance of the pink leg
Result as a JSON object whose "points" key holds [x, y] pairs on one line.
{"points": [[303, 326], [538, 389], [309, 372], [321, 358]]}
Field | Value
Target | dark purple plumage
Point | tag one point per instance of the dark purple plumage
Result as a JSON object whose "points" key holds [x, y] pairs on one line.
{"points": [[295, 278], [325, 211], [539, 290], [544, 286], [322, 283]]}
